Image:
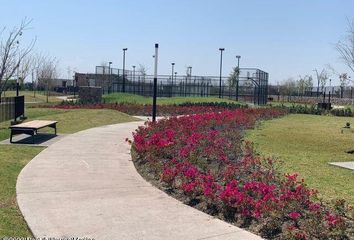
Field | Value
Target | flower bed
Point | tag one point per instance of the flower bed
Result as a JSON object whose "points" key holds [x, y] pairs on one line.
{"points": [[203, 161], [146, 110]]}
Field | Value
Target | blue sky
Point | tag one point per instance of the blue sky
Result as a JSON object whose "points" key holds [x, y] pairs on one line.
{"points": [[285, 38]]}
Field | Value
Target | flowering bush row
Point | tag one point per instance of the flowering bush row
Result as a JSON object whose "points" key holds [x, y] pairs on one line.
{"points": [[145, 110], [201, 160]]}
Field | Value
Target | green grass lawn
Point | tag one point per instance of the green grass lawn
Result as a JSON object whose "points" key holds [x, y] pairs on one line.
{"points": [[132, 98], [305, 144], [39, 97], [13, 158]]}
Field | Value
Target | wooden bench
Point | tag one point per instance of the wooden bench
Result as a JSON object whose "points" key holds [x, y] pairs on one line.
{"points": [[31, 128]]}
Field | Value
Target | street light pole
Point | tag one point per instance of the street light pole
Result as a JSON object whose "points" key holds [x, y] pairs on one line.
{"points": [[74, 83], [134, 84], [133, 73], [221, 50], [123, 88], [17, 79], [155, 84], [109, 74], [238, 75], [109, 67], [173, 65]]}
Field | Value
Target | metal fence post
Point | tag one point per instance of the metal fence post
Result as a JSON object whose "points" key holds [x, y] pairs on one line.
{"points": [[155, 84]]}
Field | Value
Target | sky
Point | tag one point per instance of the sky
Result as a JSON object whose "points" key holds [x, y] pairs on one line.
{"points": [[285, 38]]}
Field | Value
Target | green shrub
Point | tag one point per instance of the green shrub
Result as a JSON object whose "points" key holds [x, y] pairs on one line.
{"points": [[215, 104], [314, 110]]}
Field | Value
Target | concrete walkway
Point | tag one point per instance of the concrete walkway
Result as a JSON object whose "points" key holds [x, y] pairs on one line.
{"points": [[347, 165], [85, 185]]}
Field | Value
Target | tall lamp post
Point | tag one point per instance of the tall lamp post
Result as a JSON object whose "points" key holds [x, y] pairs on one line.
{"points": [[173, 65], [123, 87], [190, 71], [221, 50], [133, 73], [238, 75], [109, 75], [155, 84], [189, 74], [134, 84], [109, 67], [76, 78]]}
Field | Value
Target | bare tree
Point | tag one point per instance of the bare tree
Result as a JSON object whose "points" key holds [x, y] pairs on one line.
{"points": [[25, 68], [345, 47], [323, 77], [105, 68], [11, 54], [47, 72], [308, 82], [343, 79], [287, 87], [233, 77], [104, 64], [69, 72], [142, 70], [36, 64], [301, 85]]}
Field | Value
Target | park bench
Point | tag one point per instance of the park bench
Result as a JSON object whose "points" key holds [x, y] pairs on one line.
{"points": [[31, 128]]}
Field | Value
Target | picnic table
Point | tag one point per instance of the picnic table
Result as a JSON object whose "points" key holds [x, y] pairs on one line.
{"points": [[31, 128]]}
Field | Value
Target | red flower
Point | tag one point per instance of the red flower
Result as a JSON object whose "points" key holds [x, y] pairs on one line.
{"points": [[314, 207], [332, 219], [189, 187], [294, 215], [191, 172]]}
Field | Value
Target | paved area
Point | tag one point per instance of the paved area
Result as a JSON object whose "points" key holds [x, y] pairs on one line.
{"points": [[147, 118], [85, 185], [65, 98], [41, 139], [348, 165]]}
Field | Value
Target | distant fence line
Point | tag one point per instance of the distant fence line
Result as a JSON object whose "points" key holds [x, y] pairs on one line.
{"points": [[11, 108], [334, 91], [251, 85]]}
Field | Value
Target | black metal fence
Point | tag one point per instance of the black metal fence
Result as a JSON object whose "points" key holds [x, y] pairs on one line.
{"points": [[11, 108], [334, 91], [251, 85]]}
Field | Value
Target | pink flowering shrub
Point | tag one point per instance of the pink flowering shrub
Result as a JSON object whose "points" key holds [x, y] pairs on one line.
{"points": [[203, 160]]}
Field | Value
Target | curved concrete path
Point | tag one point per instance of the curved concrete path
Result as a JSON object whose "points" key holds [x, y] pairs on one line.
{"points": [[86, 185]]}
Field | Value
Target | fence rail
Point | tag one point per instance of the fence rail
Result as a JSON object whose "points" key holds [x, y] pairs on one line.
{"points": [[250, 85], [11, 108]]}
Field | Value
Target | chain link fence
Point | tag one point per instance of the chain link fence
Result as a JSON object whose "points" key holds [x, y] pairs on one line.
{"points": [[250, 85], [335, 94]]}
